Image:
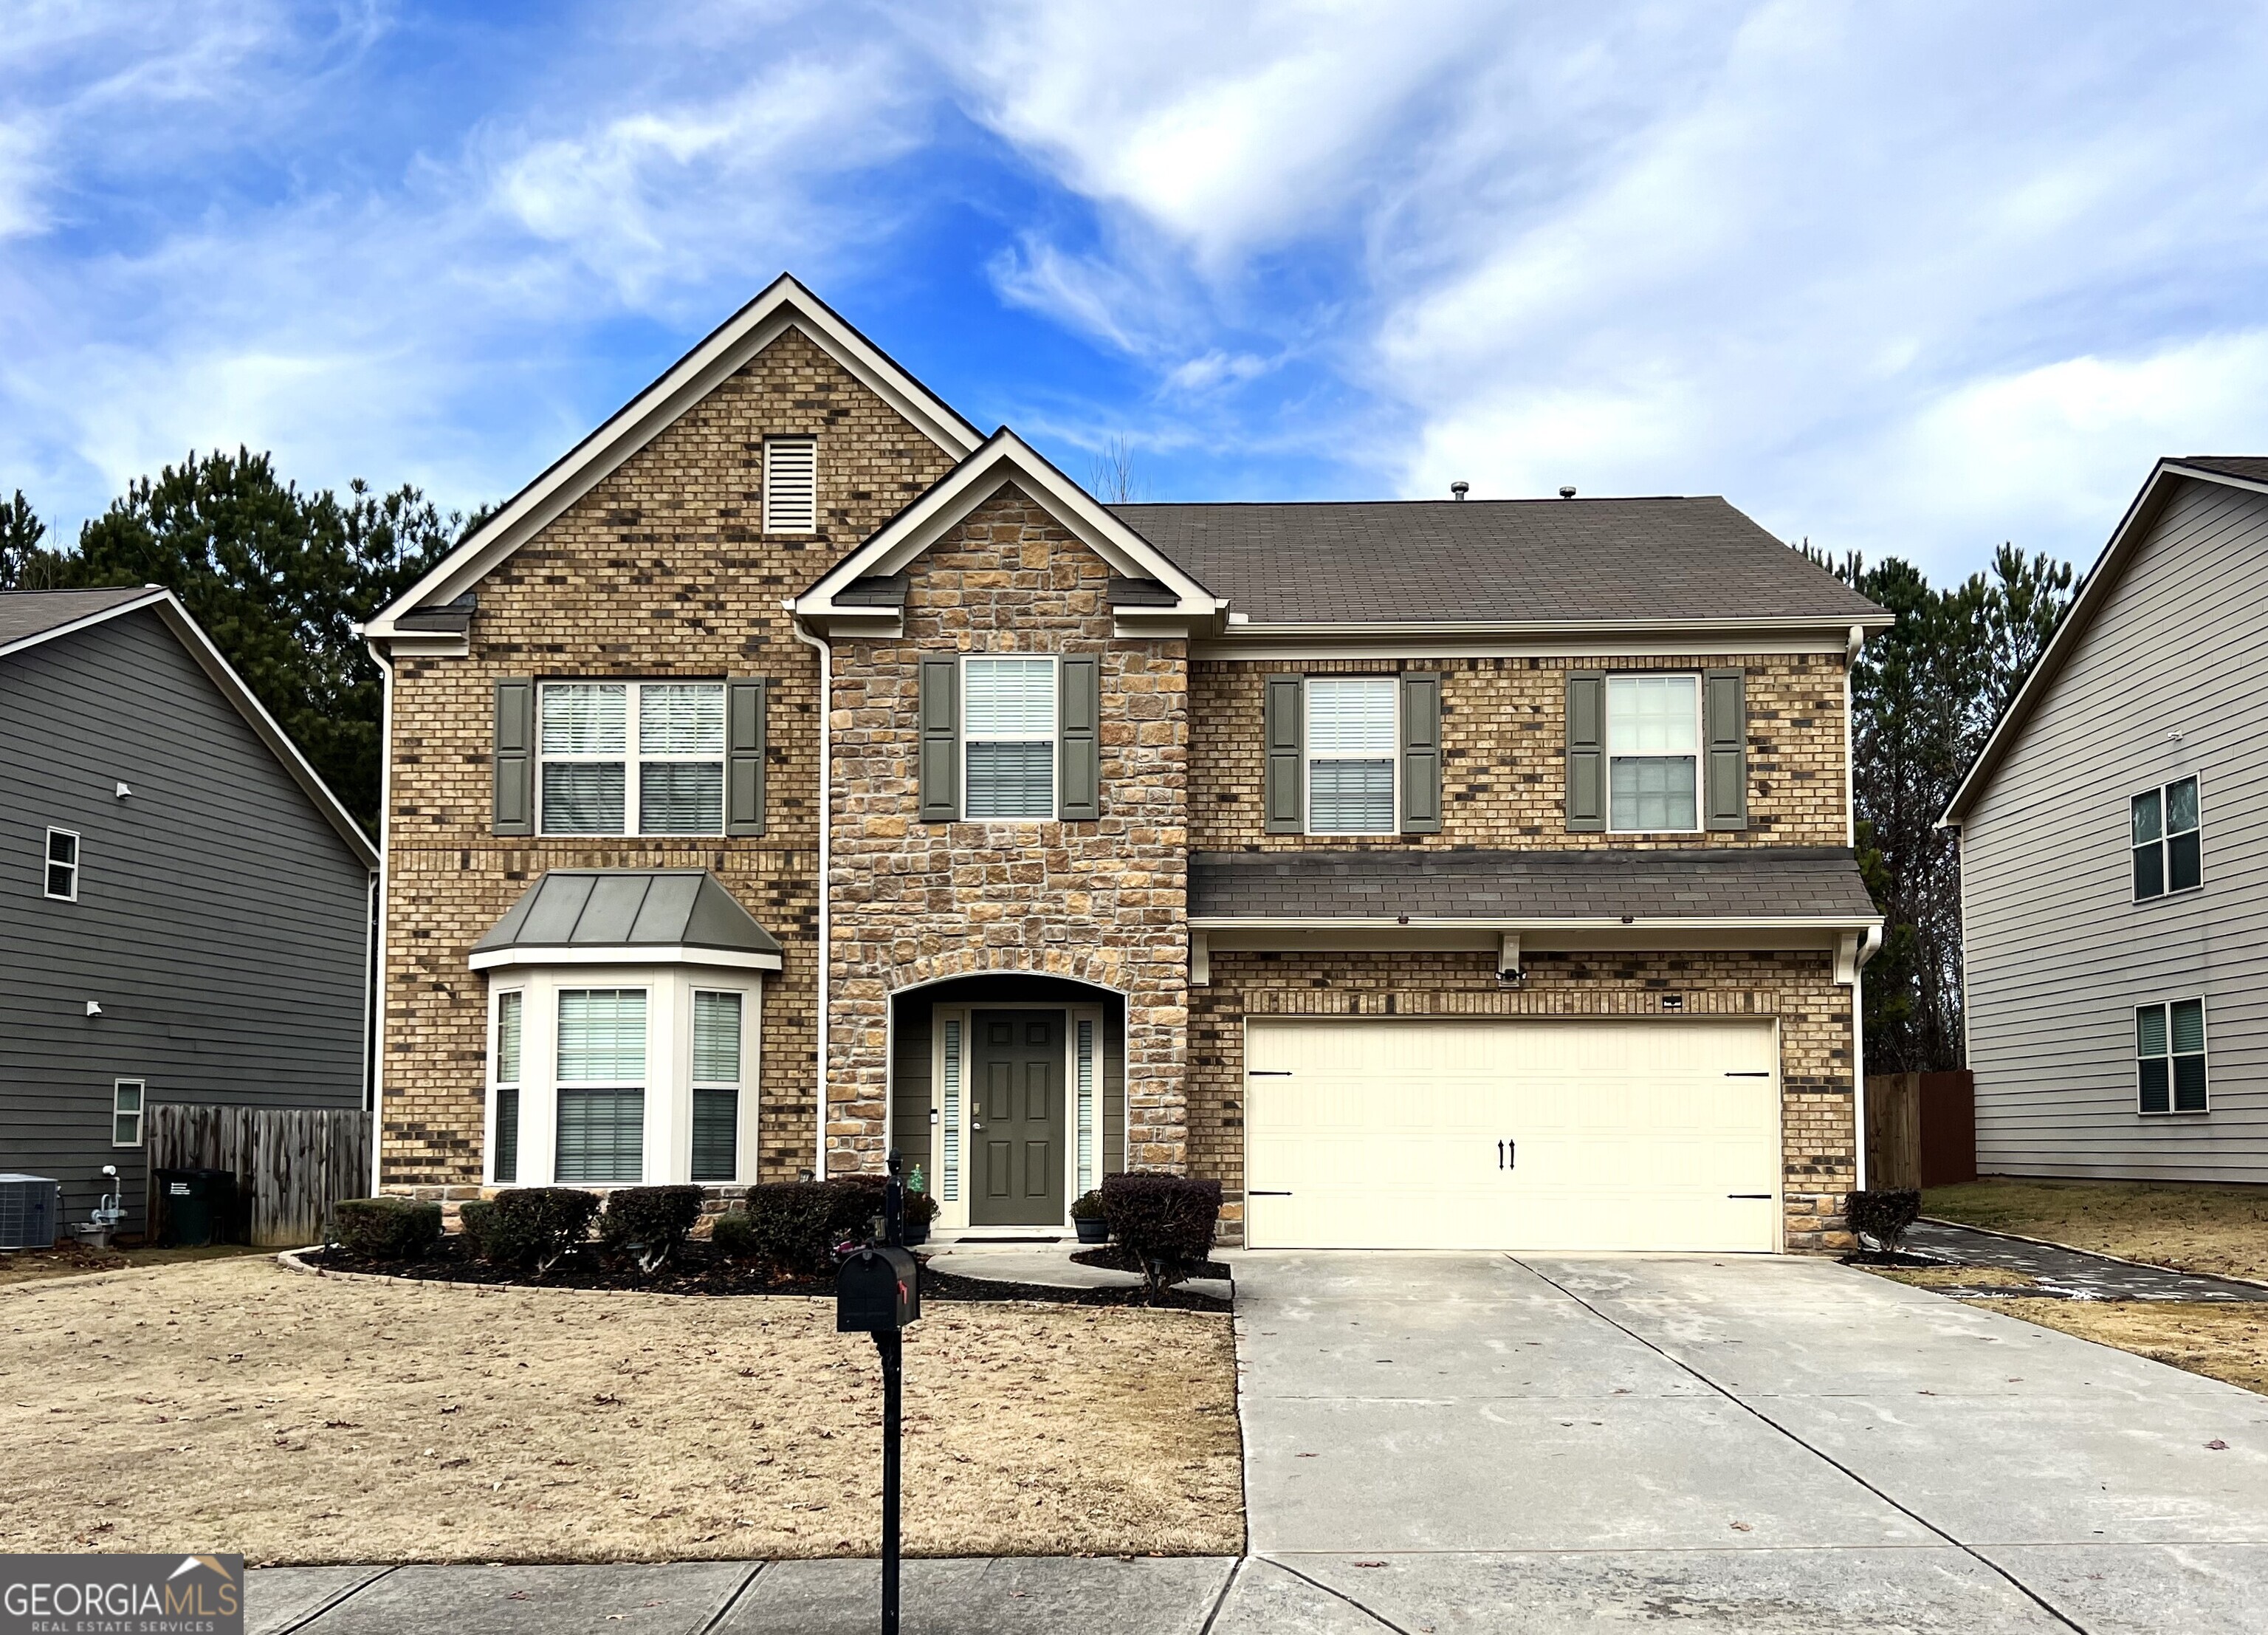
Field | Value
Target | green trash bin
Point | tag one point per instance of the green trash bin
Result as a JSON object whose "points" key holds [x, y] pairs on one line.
{"points": [[195, 1207]]}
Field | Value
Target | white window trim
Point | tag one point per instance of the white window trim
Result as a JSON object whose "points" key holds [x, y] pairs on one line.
{"points": [[1053, 737], [771, 524], [2165, 840], [669, 1086], [497, 1084], [2204, 1033], [632, 758], [1695, 756], [1087, 1131], [1307, 759], [141, 1115], [47, 865]]}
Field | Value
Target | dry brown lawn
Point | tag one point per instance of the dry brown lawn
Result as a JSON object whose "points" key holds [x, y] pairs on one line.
{"points": [[76, 1260], [1956, 1277], [2225, 1341], [235, 1405], [2191, 1226]]}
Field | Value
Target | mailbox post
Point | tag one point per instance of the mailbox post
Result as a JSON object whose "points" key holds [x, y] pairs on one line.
{"points": [[878, 1291]]}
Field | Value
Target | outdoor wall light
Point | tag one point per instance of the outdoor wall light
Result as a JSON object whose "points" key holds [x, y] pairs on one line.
{"points": [[93, 1008], [123, 792]]}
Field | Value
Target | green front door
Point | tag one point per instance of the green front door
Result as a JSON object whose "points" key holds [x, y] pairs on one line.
{"points": [[1016, 1118]]}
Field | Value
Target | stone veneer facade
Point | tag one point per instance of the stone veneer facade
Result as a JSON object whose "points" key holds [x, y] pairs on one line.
{"points": [[1104, 902], [662, 571]]}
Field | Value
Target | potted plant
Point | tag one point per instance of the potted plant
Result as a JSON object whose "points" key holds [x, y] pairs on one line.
{"points": [[1086, 1215]]}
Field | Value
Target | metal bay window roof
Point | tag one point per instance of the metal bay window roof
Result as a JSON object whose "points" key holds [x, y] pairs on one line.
{"points": [[626, 917]]}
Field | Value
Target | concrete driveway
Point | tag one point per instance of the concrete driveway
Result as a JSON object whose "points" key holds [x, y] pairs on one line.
{"points": [[1468, 1442]]}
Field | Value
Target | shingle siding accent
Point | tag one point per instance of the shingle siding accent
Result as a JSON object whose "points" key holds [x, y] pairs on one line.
{"points": [[1504, 723], [1102, 901], [661, 570], [1586, 883], [1818, 1149]]}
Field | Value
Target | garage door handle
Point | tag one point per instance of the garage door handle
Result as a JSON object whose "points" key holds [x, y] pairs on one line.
{"points": [[1765, 1075], [1765, 1196], [1253, 1194], [1507, 1155], [1267, 1073]]}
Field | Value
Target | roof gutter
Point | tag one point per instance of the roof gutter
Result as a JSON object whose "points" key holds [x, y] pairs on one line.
{"points": [[1837, 623], [1492, 923]]}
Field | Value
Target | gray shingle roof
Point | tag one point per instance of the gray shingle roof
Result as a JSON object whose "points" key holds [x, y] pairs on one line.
{"points": [[1596, 883], [627, 908], [2251, 468], [1487, 560], [32, 612]]}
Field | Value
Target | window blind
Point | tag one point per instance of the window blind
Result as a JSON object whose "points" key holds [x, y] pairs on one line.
{"points": [[602, 1035], [601, 1136], [717, 1038]]}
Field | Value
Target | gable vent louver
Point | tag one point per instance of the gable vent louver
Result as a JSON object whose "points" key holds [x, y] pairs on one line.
{"points": [[790, 486]]}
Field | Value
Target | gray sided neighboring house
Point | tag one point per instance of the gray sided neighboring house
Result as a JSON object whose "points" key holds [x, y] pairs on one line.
{"points": [[2114, 849], [217, 912]]}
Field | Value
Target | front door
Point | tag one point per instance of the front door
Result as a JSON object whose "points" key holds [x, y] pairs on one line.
{"points": [[1016, 1118]]}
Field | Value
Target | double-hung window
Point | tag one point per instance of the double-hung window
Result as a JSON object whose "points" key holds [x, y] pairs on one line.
{"points": [[63, 865], [602, 1110], [2168, 854], [126, 1112], [1008, 737], [2170, 1057], [1653, 753], [716, 1084], [612, 752], [509, 1009], [1351, 754]]}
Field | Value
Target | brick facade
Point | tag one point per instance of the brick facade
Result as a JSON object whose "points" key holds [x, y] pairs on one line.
{"points": [[1104, 902], [1819, 1159], [661, 571], [1504, 774]]}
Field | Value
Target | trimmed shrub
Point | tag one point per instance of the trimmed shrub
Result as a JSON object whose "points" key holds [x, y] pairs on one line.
{"points": [[533, 1229], [1882, 1216], [647, 1224], [472, 1221], [792, 1227], [1166, 1221], [386, 1228]]}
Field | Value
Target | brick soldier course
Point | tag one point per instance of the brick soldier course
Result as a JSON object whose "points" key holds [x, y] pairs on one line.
{"points": [[659, 570]]}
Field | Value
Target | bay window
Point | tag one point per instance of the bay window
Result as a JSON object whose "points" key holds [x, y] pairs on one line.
{"points": [[716, 1084], [601, 1072]]}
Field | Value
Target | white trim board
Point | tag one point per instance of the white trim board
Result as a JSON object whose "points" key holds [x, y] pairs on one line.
{"points": [[784, 305]]}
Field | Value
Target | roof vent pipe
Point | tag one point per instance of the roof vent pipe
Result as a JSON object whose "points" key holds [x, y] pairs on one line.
{"points": [[1566, 491], [1460, 489]]}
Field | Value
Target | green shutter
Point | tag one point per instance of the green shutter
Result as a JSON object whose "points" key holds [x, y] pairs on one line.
{"points": [[515, 756], [1286, 800], [941, 740], [744, 757], [1724, 719], [1421, 752], [1586, 750], [1080, 795]]}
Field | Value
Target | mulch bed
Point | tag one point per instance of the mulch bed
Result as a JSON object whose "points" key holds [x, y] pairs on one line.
{"points": [[1117, 1257], [699, 1270]]}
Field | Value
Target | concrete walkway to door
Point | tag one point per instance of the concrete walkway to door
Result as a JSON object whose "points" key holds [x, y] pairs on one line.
{"points": [[1470, 1442]]}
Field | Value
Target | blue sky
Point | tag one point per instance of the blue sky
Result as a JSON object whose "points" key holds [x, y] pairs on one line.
{"points": [[1910, 278]]}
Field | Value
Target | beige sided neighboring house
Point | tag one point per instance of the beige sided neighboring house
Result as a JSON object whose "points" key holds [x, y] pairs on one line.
{"points": [[792, 774], [2113, 873]]}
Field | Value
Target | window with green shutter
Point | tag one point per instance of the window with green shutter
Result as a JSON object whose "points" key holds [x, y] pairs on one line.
{"points": [[716, 1085], [2170, 1057]]}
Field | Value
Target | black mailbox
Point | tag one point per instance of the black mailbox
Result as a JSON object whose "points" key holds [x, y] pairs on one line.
{"points": [[877, 1291]]}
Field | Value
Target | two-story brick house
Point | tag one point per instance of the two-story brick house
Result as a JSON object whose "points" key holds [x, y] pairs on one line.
{"points": [[792, 773]]}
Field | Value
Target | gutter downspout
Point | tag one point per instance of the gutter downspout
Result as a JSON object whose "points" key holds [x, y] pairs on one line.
{"points": [[1872, 942], [377, 1097], [825, 874]]}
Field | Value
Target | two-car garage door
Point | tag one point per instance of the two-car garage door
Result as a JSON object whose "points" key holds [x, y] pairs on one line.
{"points": [[1654, 1134]]}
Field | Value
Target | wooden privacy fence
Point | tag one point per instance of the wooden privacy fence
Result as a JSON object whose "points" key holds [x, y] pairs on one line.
{"points": [[1921, 1130], [291, 1163]]}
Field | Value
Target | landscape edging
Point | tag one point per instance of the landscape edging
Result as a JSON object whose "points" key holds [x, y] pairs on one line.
{"points": [[2050, 1243]]}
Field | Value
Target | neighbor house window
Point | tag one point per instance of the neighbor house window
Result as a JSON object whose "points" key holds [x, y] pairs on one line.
{"points": [[1351, 754], [1008, 734], [1653, 746], [614, 750], [2166, 853], [63, 864], [126, 1112], [509, 1007], [716, 1084], [601, 1131], [790, 486], [2169, 1055]]}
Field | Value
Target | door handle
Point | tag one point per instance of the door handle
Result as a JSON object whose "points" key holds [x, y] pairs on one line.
{"points": [[974, 1127]]}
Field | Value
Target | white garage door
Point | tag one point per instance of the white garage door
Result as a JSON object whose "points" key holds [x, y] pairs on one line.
{"points": [[1510, 1135]]}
